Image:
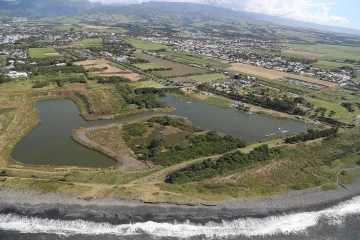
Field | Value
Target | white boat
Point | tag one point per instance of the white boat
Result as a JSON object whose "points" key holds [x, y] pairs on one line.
{"points": [[270, 134], [285, 131], [188, 102]]}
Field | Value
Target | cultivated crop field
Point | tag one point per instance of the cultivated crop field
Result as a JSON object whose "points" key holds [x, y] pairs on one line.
{"points": [[145, 66], [330, 51], [109, 69], [89, 42], [208, 77], [304, 54], [145, 45], [187, 58], [273, 74], [43, 53], [177, 69]]}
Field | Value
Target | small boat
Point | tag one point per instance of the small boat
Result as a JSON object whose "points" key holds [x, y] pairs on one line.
{"points": [[285, 131], [280, 128], [272, 134], [188, 102]]}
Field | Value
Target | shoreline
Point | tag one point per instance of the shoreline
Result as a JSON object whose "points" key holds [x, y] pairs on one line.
{"points": [[117, 211]]}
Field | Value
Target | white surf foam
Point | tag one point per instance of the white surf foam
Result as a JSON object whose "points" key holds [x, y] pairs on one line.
{"points": [[296, 223]]}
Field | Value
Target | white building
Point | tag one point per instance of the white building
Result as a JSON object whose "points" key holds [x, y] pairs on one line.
{"points": [[15, 74]]}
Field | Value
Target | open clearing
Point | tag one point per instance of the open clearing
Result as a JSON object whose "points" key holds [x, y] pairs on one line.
{"points": [[177, 69], [208, 77], [193, 58], [304, 54], [273, 74], [43, 52], [110, 70], [145, 45], [146, 66], [330, 51], [89, 42]]}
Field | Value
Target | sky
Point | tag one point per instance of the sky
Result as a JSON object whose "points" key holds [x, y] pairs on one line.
{"points": [[343, 13]]}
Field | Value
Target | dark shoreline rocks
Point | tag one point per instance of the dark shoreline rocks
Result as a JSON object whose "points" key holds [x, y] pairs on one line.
{"points": [[117, 211]]}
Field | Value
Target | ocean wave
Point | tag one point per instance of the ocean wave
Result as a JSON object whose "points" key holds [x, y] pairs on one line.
{"points": [[297, 223]]}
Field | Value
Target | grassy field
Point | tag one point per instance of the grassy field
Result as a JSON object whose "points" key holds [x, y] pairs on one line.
{"points": [[43, 53], [341, 113], [177, 69], [332, 65], [145, 45], [90, 28], [145, 66], [208, 77], [2, 60], [330, 51], [89, 42], [188, 58], [306, 166], [142, 84], [273, 74]]}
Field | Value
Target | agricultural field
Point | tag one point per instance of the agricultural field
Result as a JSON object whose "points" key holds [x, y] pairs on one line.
{"points": [[89, 42], [2, 60], [43, 53], [90, 28], [145, 45], [332, 65], [146, 66], [331, 51], [304, 54], [193, 58], [273, 74], [107, 70], [177, 69], [208, 77]]}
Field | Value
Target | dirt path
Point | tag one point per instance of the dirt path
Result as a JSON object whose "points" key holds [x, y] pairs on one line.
{"points": [[129, 162]]}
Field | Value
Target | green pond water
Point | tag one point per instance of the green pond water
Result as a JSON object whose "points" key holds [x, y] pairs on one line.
{"points": [[49, 143]]}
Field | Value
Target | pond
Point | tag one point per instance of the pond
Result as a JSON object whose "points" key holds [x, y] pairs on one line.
{"points": [[50, 143]]}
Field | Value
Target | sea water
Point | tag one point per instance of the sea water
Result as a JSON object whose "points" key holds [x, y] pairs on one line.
{"points": [[338, 222]]}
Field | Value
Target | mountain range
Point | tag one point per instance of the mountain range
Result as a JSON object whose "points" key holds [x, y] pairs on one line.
{"points": [[53, 8]]}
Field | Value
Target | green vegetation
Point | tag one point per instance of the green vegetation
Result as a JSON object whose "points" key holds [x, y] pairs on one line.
{"points": [[311, 135], [145, 45], [2, 60], [177, 69], [175, 122], [43, 53], [146, 66], [89, 42], [331, 65], [208, 77], [193, 58], [228, 162], [329, 187], [216, 101], [111, 80], [279, 103], [331, 51]]}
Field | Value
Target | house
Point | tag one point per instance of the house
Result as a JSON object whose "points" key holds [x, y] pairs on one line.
{"points": [[15, 74]]}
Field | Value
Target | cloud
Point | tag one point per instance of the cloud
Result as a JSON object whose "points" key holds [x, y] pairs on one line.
{"points": [[304, 10]]}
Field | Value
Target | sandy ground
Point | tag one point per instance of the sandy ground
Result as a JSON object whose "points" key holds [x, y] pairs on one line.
{"points": [[124, 155], [273, 74], [110, 71], [304, 54]]}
